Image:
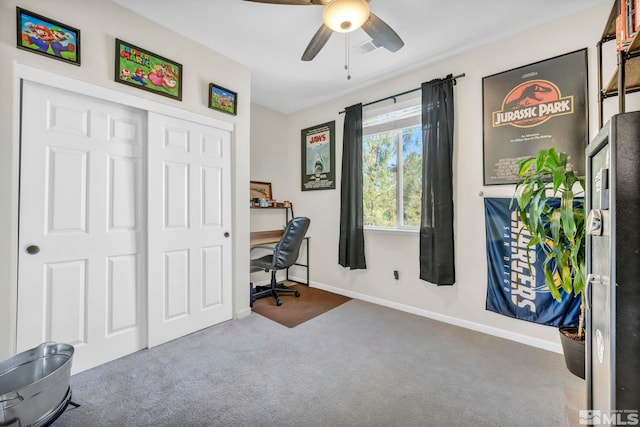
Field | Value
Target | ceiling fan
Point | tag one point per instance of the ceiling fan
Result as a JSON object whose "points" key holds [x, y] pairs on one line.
{"points": [[345, 16]]}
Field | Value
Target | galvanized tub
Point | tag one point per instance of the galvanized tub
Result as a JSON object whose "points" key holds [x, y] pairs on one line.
{"points": [[34, 385]]}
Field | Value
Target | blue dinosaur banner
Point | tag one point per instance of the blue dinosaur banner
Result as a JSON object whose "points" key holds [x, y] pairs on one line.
{"points": [[516, 286]]}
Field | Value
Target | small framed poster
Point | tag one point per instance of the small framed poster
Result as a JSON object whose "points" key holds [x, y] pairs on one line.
{"points": [[318, 157], [222, 99], [148, 71], [532, 108], [260, 190], [47, 37]]}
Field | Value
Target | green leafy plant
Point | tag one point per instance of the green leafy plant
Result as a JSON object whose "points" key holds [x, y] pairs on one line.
{"points": [[559, 230]]}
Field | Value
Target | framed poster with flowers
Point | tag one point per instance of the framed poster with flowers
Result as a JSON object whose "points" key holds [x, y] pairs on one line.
{"points": [[222, 99]]}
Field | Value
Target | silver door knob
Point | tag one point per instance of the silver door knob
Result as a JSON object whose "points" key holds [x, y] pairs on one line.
{"points": [[33, 249], [594, 223]]}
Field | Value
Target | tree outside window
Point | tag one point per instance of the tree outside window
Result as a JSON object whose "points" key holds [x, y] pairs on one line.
{"points": [[392, 136]]}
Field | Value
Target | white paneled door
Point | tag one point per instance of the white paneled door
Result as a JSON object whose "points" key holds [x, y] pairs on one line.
{"points": [[81, 238], [189, 237], [125, 218]]}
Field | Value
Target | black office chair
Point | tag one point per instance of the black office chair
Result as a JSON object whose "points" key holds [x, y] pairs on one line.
{"points": [[284, 255]]}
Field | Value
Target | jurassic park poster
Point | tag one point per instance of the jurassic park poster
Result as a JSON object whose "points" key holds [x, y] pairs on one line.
{"points": [[531, 108]]}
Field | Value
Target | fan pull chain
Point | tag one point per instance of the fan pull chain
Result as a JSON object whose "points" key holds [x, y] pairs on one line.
{"points": [[346, 55]]}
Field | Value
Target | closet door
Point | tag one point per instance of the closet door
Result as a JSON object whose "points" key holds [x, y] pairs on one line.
{"points": [[81, 236], [189, 202]]}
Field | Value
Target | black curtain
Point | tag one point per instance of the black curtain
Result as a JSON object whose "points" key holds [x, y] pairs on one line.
{"points": [[436, 222], [351, 246]]}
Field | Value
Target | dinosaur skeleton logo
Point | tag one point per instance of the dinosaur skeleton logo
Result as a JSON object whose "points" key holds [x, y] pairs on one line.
{"points": [[532, 103]]}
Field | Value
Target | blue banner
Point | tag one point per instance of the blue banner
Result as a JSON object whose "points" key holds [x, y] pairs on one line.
{"points": [[516, 286]]}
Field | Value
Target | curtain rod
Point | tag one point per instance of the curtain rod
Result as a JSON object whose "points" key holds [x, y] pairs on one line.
{"points": [[405, 93]]}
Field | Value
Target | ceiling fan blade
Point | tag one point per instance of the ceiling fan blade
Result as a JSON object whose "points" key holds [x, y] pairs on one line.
{"points": [[317, 42], [382, 34], [291, 2]]}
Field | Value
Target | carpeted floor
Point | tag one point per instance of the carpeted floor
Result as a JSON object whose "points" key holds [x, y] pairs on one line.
{"points": [[294, 311], [357, 365]]}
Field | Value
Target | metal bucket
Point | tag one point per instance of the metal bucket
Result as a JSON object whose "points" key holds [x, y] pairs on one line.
{"points": [[34, 385]]}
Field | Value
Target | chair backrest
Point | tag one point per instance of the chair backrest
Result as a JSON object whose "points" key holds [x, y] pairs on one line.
{"points": [[287, 249]]}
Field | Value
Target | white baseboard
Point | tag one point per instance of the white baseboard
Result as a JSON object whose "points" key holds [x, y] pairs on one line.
{"points": [[243, 313], [490, 330]]}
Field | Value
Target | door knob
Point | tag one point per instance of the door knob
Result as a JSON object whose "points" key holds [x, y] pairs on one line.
{"points": [[587, 289], [226, 234], [594, 223], [33, 249]]}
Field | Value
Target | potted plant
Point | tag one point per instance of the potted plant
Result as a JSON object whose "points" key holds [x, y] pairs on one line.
{"points": [[559, 229]]}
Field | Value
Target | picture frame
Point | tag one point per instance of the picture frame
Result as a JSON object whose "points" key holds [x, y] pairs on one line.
{"points": [[318, 155], [532, 108], [260, 190], [223, 99], [44, 36], [148, 71]]}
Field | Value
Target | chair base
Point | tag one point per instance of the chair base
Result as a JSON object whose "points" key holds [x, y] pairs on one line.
{"points": [[273, 290]]}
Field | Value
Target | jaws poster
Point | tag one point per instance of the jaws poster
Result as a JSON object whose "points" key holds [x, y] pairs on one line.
{"points": [[533, 108], [514, 288], [318, 157]]}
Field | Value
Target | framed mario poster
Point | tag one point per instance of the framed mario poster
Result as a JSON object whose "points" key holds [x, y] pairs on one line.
{"points": [[47, 37], [531, 108], [148, 71]]}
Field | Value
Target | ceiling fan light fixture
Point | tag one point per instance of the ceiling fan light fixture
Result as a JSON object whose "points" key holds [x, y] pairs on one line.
{"points": [[344, 16]]}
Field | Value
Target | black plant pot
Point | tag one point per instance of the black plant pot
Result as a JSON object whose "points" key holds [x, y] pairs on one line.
{"points": [[573, 350]]}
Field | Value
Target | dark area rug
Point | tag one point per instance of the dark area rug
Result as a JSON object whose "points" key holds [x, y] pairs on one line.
{"points": [[294, 311]]}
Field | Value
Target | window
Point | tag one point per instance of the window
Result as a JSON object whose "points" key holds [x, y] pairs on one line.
{"points": [[392, 136]]}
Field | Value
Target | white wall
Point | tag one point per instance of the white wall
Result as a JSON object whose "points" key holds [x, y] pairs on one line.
{"points": [[100, 22], [269, 162], [463, 303]]}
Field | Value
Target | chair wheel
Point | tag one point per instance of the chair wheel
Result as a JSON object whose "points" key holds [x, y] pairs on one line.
{"points": [[297, 294], [278, 302]]}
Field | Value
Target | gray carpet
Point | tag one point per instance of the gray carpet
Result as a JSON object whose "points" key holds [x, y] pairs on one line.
{"points": [[357, 365]]}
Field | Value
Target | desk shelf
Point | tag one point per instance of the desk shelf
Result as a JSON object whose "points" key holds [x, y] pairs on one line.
{"points": [[286, 208], [626, 76]]}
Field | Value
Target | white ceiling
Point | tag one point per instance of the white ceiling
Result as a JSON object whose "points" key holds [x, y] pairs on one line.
{"points": [[270, 39]]}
